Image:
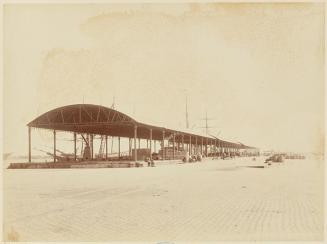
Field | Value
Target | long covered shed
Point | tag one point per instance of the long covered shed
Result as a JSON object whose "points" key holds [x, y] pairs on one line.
{"points": [[99, 120]]}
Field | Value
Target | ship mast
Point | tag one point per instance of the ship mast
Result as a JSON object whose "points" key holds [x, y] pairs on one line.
{"points": [[206, 124], [113, 103], [207, 128]]}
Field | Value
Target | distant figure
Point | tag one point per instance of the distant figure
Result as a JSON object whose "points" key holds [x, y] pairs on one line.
{"points": [[147, 160], [199, 158]]}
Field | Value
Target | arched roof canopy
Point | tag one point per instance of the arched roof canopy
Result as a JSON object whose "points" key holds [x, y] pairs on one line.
{"points": [[96, 119]]}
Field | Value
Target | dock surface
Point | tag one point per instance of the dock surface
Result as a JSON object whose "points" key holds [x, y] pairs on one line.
{"points": [[206, 201]]}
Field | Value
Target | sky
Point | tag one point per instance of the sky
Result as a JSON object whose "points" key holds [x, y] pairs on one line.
{"points": [[257, 70]]}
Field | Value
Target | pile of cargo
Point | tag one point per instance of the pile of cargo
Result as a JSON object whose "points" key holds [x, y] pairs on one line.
{"points": [[276, 158], [294, 156], [141, 154], [168, 153]]}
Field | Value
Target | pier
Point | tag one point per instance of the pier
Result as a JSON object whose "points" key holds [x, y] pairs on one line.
{"points": [[88, 121]]}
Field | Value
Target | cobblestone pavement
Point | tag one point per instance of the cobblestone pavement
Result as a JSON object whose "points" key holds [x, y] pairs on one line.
{"points": [[207, 201]]}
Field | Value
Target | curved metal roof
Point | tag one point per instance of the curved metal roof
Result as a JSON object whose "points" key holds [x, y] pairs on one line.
{"points": [[96, 119]]}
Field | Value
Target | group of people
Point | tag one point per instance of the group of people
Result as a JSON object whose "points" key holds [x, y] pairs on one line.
{"points": [[193, 158], [149, 161]]}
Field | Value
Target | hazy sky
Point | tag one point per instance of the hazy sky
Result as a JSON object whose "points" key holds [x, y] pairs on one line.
{"points": [[257, 69]]}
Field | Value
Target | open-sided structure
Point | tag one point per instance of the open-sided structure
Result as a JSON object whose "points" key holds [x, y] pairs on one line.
{"points": [[99, 120]]}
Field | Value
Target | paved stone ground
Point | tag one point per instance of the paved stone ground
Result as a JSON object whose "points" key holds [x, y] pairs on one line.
{"points": [[207, 201]]}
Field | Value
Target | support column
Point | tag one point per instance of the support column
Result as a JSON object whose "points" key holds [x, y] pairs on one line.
{"points": [[201, 146], [150, 144], [118, 148], [139, 143], [29, 145], [219, 143], [135, 150], [196, 146], [92, 147], [190, 146], [54, 147], [75, 156], [220, 148], [106, 147], [173, 145], [129, 147], [163, 145], [183, 142], [206, 147], [216, 150], [211, 147]]}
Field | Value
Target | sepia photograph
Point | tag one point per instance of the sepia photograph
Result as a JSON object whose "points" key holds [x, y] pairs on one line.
{"points": [[177, 122]]}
